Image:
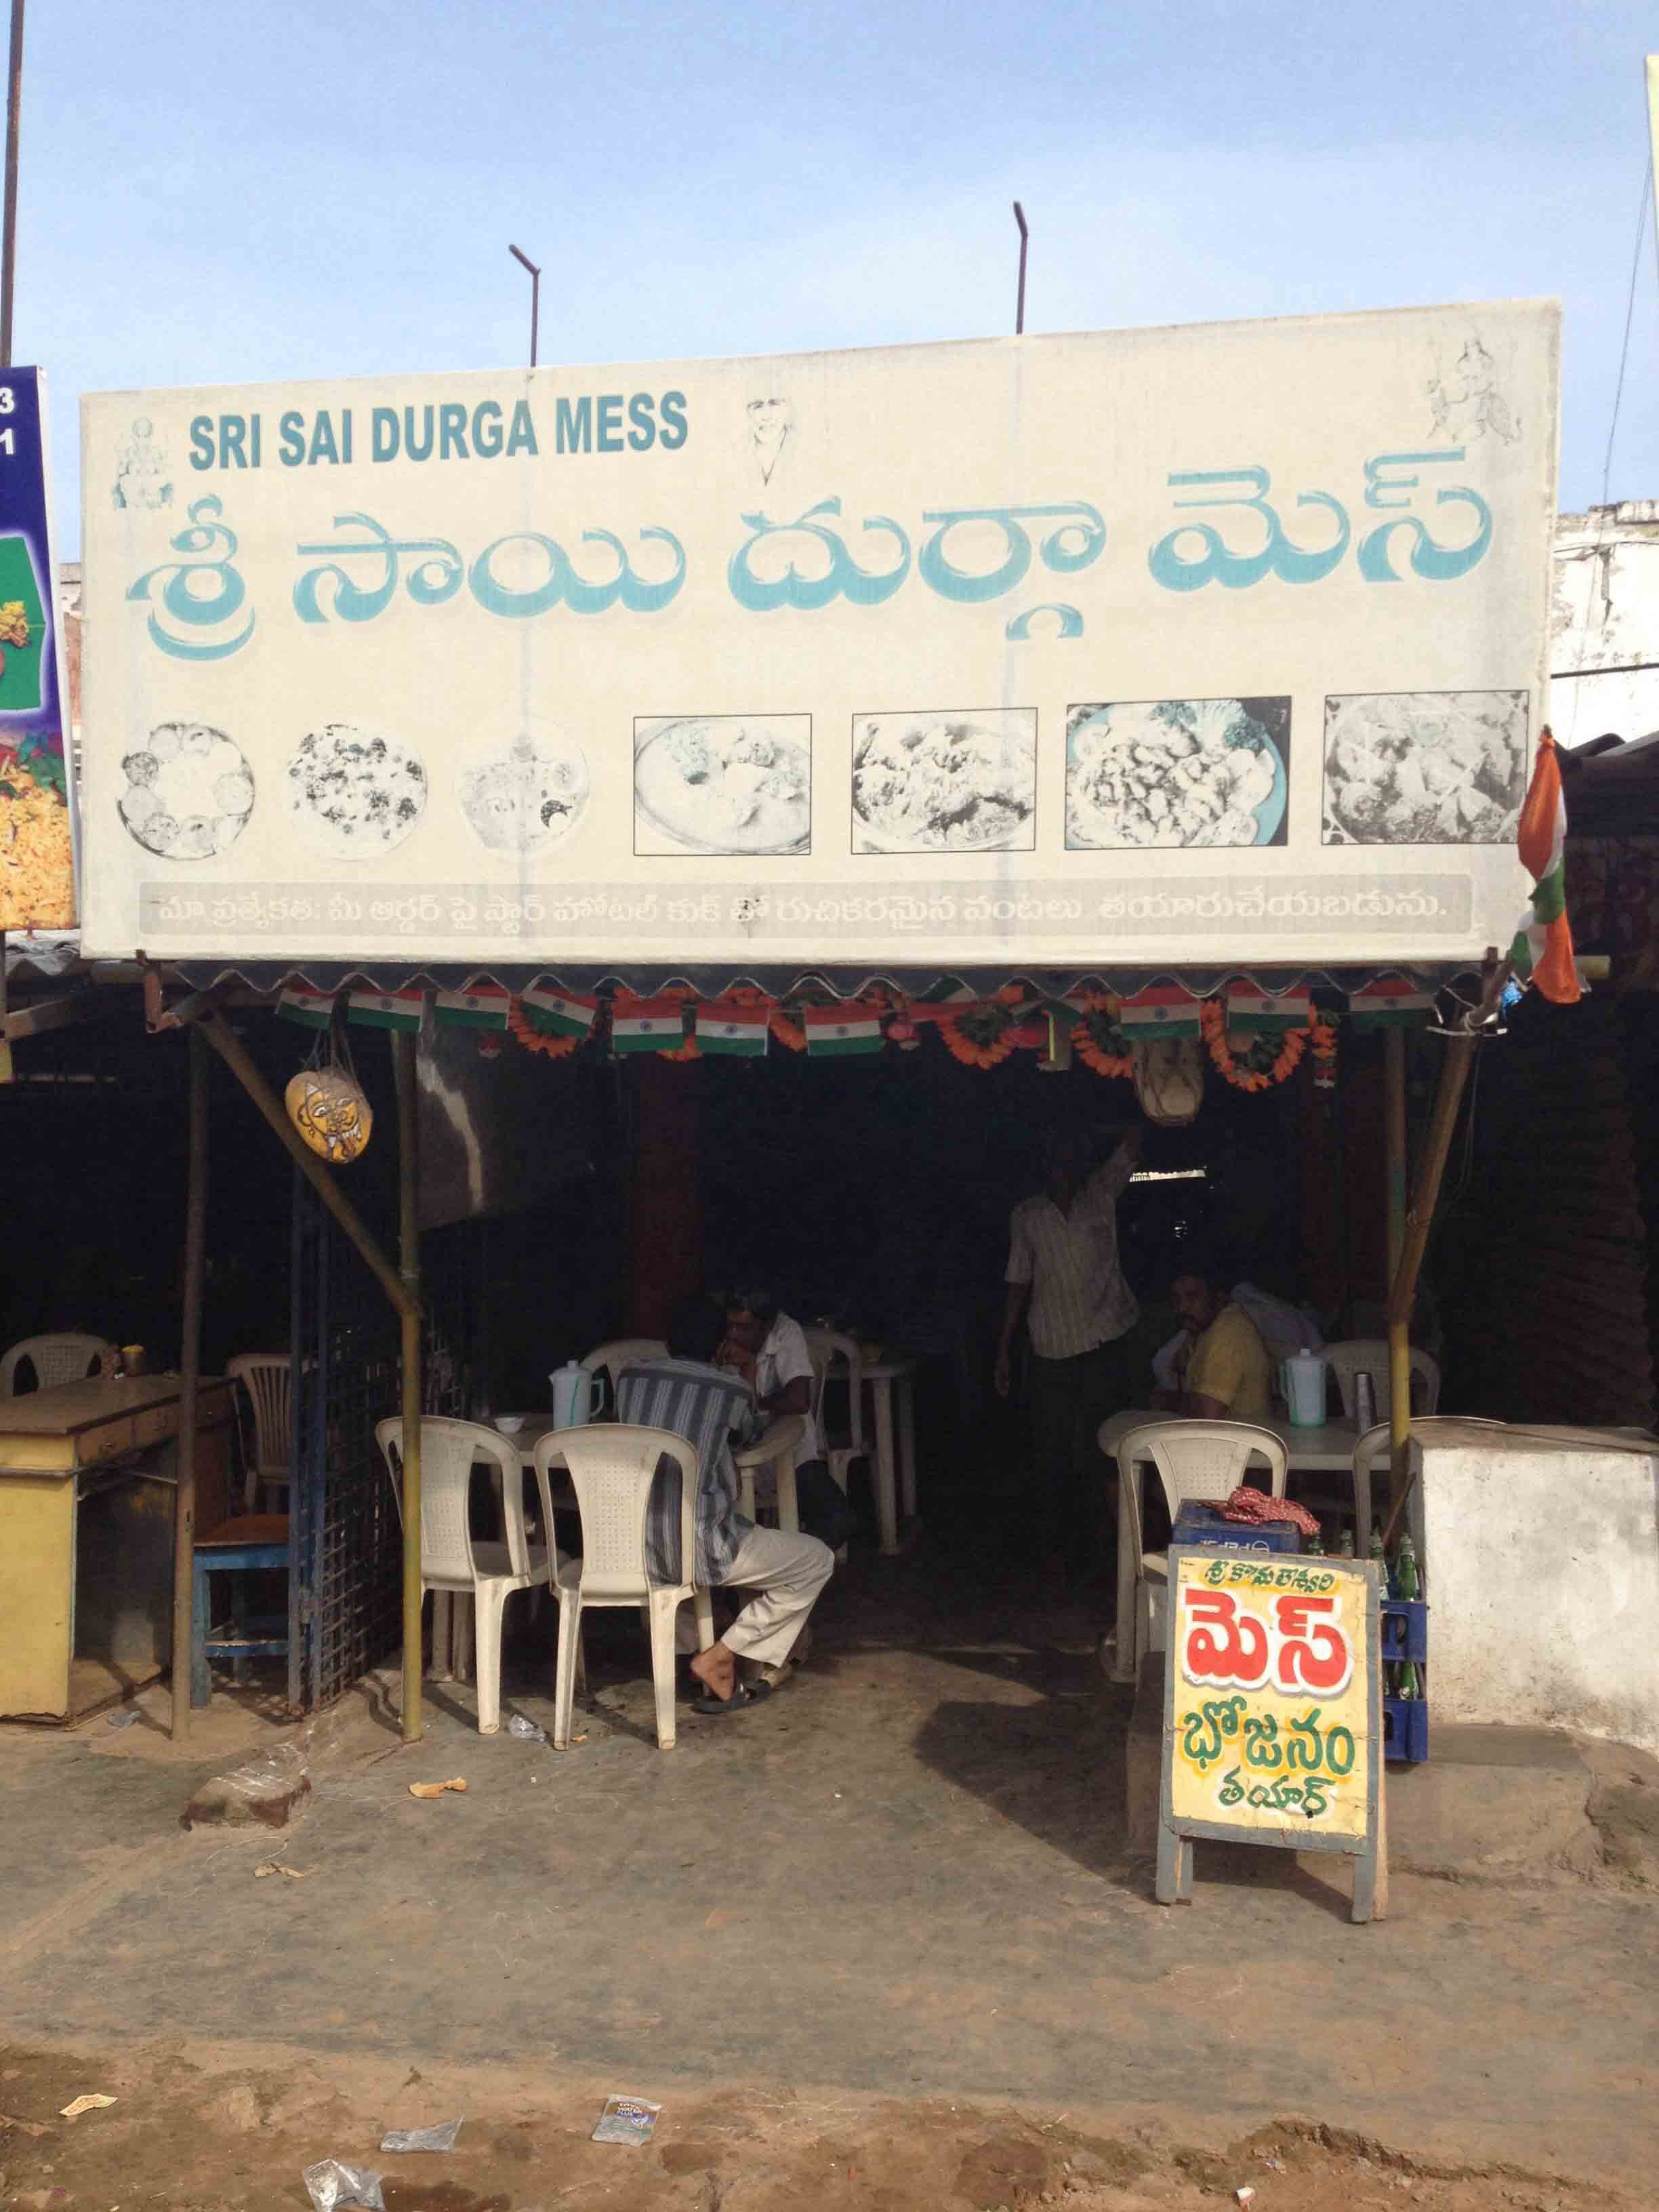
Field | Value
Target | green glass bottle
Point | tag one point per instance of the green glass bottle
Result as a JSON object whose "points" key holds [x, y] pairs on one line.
{"points": [[1409, 1583]]}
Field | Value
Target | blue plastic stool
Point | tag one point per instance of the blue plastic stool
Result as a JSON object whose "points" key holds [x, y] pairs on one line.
{"points": [[254, 1543]]}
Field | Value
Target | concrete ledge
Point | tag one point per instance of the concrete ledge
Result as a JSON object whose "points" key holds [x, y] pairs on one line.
{"points": [[1491, 1804]]}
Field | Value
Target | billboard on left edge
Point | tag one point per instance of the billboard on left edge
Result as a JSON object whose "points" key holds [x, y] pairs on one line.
{"points": [[37, 847]]}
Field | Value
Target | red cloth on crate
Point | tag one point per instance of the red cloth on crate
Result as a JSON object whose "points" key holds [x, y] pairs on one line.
{"points": [[1255, 1506]]}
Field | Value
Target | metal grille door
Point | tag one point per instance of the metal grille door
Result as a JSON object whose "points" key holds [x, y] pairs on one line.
{"points": [[345, 1591]]}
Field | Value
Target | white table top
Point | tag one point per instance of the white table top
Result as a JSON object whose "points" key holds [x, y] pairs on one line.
{"points": [[1328, 1446]]}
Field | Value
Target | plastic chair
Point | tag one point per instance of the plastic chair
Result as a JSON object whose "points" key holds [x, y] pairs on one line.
{"points": [[837, 1347], [268, 1379], [1203, 1460], [612, 1466], [55, 1359], [623, 1352], [1369, 1355], [451, 1558]]}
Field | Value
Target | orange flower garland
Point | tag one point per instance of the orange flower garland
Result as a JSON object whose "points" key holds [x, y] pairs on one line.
{"points": [[989, 1037], [532, 1040], [1212, 1019], [1094, 1037], [691, 1049]]}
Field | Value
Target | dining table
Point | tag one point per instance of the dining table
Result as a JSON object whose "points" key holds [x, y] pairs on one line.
{"points": [[452, 1624], [1327, 1447]]}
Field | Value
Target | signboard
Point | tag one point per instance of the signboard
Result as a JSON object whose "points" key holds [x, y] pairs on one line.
{"points": [[1213, 645], [1272, 1712], [37, 866]]}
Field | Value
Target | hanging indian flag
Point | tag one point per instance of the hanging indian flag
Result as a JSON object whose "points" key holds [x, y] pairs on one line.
{"points": [[387, 1010], [838, 1032], [1542, 951], [1390, 1002], [313, 1009], [559, 1013], [1161, 1009], [646, 1026], [482, 1009], [1268, 1010], [726, 1026]]}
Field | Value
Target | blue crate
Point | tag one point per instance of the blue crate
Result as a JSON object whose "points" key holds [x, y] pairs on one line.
{"points": [[1197, 1523], [1405, 1728], [1405, 1629]]}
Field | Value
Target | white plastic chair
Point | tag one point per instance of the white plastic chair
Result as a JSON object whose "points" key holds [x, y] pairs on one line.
{"points": [[55, 1359], [268, 1379], [1373, 1453], [1202, 1459], [623, 1352], [451, 1558], [1369, 1355], [612, 1466], [835, 1347]]}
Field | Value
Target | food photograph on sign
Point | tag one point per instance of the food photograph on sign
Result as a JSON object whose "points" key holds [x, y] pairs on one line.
{"points": [[1177, 772], [723, 783], [1271, 1721]]}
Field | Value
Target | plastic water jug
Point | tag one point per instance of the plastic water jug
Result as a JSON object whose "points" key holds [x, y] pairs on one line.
{"points": [[577, 1396], [1302, 1378]]}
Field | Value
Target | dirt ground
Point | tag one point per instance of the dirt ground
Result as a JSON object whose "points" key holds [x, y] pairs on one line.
{"points": [[209, 2128]]}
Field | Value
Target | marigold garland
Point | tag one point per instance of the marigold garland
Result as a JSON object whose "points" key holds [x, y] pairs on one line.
{"points": [[1248, 1073], [983, 1035], [533, 1040], [691, 1049]]}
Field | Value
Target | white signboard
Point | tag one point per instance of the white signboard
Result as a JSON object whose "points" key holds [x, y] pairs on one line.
{"points": [[1218, 645]]}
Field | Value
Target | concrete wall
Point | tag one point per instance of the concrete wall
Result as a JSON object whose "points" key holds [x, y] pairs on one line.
{"points": [[1541, 1551], [1604, 624]]}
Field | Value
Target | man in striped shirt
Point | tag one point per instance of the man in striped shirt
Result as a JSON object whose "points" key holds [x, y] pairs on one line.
{"points": [[686, 1393], [1065, 1281]]}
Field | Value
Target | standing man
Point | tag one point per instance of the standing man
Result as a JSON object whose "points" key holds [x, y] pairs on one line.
{"points": [[1065, 1281]]}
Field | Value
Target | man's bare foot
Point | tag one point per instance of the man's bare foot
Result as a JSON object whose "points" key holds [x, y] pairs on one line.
{"points": [[717, 1670]]}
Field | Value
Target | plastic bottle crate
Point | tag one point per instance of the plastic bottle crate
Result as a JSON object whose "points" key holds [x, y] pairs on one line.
{"points": [[1405, 1728], [1199, 1523], [1405, 1629]]}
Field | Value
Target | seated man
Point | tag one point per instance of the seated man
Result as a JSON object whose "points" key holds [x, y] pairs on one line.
{"points": [[688, 1394], [768, 1349], [1223, 1369]]}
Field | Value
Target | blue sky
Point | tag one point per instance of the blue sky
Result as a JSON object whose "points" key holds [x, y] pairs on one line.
{"points": [[225, 192]]}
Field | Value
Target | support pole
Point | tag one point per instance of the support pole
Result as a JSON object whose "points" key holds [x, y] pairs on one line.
{"points": [[1461, 1048], [231, 1050], [1393, 1111], [190, 1364], [409, 1252]]}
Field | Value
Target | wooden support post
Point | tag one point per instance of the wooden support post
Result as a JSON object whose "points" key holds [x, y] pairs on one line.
{"points": [[231, 1050], [1400, 1365], [409, 1253], [189, 1366], [1461, 1048], [5, 1025]]}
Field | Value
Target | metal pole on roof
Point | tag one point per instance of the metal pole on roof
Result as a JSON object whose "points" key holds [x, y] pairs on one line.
{"points": [[190, 1374], [409, 1255], [1024, 241], [525, 262], [9, 222]]}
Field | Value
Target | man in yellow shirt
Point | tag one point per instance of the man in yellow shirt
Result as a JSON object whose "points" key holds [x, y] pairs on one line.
{"points": [[1226, 1373]]}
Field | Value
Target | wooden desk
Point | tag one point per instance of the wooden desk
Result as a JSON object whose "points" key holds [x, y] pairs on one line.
{"points": [[1329, 1447], [88, 1483]]}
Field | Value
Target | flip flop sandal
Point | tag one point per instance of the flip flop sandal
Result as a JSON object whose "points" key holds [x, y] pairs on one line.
{"points": [[746, 1693]]}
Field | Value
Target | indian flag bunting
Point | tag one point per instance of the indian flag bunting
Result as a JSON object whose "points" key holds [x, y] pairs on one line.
{"points": [[1390, 1003], [646, 1026], [739, 1031], [1268, 1010], [1162, 1009], [559, 1013], [313, 1009], [1542, 951], [387, 1010], [838, 1032], [482, 1009]]}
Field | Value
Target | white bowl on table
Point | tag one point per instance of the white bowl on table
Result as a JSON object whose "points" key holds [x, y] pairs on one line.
{"points": [[508, 1423]]}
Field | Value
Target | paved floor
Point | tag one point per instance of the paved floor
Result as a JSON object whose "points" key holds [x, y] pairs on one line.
{"points": [[902, 1876]]}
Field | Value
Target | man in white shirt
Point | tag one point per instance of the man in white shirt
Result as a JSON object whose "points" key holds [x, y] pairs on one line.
{"points": [[1064, 1280], [769, 1350]]}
